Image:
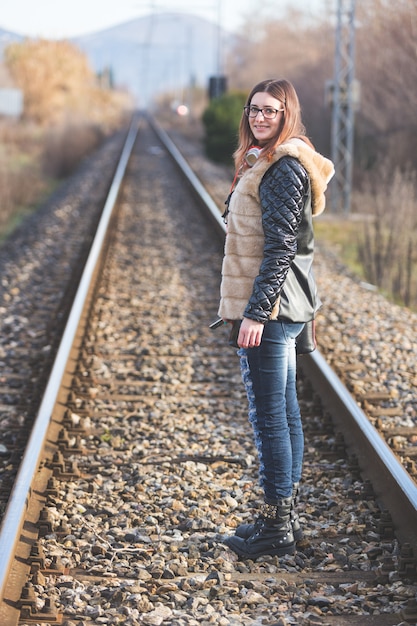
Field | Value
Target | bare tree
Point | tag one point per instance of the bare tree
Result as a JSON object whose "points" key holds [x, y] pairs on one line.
{"points": [[388, 251], [387, 71]]}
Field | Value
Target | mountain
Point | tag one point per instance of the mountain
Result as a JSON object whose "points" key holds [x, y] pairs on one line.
{"points": [[163, 52], [158, 53]]}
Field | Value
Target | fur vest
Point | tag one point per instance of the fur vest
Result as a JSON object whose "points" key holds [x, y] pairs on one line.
{"points": [[244, 291]]}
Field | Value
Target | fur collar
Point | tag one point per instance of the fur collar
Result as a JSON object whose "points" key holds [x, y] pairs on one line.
{"points": [[319, 168]]}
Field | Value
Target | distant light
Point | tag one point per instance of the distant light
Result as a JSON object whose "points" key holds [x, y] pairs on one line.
{"points": [[182, 110]]}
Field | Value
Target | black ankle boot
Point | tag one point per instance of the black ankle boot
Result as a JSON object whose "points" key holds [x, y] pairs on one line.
{"points": [[272, 533], [245, 530]]}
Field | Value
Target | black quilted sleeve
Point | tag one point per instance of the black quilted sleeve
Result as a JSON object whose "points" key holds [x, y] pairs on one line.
{"points": [[283, 190]]}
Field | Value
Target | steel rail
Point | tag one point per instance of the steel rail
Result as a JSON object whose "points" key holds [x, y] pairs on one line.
{"points": [[195, 183], [15, 512], [393, 486]]}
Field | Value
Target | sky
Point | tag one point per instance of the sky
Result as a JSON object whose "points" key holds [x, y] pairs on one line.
{"points": [[56, 19]]}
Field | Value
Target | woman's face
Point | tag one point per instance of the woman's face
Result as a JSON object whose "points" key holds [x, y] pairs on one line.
{"points": [[263, 128]]}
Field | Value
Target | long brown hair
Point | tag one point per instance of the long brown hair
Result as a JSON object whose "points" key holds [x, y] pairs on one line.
{"points": [[291, 125]]}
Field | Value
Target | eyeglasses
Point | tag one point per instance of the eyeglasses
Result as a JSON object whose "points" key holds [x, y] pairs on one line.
{"points": [[268, 112]]}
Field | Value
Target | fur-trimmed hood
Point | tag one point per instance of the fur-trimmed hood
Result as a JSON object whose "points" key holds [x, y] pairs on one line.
{"points": [[319, 169]]}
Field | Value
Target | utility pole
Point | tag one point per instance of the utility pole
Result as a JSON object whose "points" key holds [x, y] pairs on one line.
{"points": [[218, 83], [344, 97]]}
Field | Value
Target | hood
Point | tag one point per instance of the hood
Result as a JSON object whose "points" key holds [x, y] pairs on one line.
{"points": [[319, 169]]}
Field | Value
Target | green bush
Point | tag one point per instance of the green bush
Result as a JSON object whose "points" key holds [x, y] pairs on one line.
{"points": [[221, 123]]}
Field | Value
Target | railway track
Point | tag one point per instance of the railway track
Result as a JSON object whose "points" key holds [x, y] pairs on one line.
{"points": [[147, 458]]}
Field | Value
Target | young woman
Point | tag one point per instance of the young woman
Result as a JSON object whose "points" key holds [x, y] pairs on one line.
{"points": [[268, 285]]}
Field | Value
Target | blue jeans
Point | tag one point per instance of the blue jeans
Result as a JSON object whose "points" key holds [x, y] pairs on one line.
{"points": [[269, 375]]}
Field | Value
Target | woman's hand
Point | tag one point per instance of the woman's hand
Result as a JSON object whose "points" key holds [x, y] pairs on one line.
{"points": [[250, 334]]}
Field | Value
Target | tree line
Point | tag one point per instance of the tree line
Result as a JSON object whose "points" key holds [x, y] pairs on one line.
{"points": [[58, 83], [68, 111]]}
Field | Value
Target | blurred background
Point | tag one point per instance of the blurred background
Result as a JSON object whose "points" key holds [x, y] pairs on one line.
{"points": [[72, 73]]}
